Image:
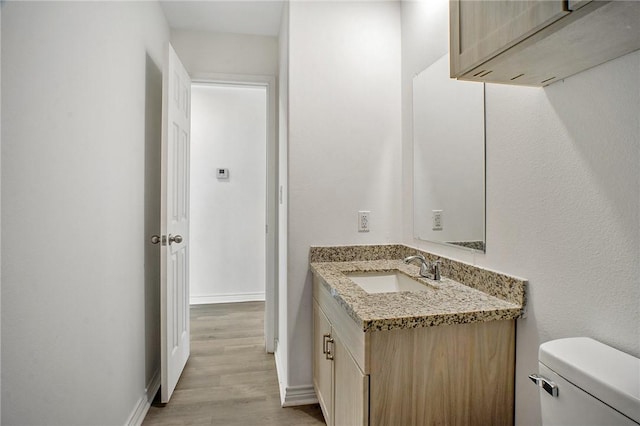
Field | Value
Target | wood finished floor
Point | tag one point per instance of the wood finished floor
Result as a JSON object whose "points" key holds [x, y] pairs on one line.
{"points": [[229, 378]]}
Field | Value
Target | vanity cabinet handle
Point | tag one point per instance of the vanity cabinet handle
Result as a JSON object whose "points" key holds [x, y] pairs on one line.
{"points": [[325, 337], [329, 353]]}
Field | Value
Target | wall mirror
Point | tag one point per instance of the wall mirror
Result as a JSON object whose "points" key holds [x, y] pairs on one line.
{"points": [[448, 158]]}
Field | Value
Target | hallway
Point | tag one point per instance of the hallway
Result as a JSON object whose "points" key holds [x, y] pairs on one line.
{"points": [[229, 378]]}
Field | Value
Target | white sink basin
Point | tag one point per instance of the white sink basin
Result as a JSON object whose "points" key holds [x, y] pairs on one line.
{"points": [[386, 282]]}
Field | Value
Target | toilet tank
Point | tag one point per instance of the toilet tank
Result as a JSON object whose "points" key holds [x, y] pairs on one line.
{"points": [[594, 384]]}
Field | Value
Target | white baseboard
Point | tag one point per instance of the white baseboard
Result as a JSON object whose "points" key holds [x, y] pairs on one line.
{"points": [[299, 395], [226, 298], [292, 395], [144, 403]]}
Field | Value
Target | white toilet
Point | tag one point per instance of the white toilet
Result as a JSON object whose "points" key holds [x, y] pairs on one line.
{"points": [[584, 382]]}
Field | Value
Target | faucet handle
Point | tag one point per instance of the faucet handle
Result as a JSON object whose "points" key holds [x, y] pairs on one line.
{"points": [[435, 266]]}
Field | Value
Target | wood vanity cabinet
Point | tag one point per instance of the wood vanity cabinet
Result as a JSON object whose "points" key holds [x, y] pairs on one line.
{"points": [[460, 374], [322, 362], [538, 42], [341, 386]]}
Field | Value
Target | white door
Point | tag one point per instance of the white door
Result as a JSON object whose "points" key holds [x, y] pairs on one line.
{"points": [[176, 102]]}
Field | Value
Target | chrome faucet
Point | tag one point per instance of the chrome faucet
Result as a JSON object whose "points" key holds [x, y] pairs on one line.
{"points": [[427, 270]]}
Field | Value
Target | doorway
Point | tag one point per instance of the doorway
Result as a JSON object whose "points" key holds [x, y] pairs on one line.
{"points": [[233, 250]]}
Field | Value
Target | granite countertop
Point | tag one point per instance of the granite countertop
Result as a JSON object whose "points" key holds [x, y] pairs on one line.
{"points": [[446, 301]]}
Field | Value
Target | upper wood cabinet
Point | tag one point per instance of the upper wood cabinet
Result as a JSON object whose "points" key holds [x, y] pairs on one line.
{"points": [[538, 42], [482, 29]]}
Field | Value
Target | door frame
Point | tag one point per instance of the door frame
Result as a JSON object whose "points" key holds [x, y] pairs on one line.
{"points": [[271, 236]]}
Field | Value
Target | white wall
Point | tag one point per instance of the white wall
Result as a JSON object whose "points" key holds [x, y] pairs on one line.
{"points": [[563, 201], [226, 53], [228, 130], [344, 143], [74, 103]]}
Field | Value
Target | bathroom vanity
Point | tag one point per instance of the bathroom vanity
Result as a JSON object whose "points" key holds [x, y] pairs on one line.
{"points": [[444, 354]]}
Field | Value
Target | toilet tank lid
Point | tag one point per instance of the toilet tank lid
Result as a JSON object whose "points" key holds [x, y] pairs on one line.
{"points": [[608, 374]]}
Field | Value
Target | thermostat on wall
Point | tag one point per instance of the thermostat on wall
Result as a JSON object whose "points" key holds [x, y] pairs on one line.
{"points": [[222, 173]]}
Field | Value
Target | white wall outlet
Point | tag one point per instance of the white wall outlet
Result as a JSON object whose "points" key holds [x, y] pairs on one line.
{"points": [[363, 221], [436, 220]]}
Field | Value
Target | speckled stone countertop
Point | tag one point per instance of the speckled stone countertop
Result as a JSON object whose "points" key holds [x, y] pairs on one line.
{"points": [[446, 302]]}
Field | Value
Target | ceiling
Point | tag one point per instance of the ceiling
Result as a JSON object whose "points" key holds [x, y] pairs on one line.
{"points": [[228, 16]]}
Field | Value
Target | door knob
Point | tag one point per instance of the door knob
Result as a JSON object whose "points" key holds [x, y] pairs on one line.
{"points": [[155, 239], [175, 239]]}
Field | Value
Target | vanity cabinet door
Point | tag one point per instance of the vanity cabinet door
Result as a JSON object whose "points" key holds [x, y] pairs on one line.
{"points": [[351, 399], [322, 363], [481, 29]]}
